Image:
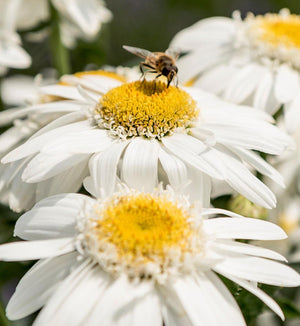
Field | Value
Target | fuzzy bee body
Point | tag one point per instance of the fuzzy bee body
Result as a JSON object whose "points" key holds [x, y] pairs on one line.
{"points": [[162, 63]]}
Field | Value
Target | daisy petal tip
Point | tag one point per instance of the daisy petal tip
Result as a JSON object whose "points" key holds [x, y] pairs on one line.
{"points": [[6, 159]]}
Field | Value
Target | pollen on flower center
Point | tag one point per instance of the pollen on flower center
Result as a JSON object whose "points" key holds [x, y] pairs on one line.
{"points": [[145, 108], [141, 234], [277, 35]]}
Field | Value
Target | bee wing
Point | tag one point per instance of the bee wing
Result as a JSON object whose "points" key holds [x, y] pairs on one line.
{"points": [[137, 51], [174, 53]]}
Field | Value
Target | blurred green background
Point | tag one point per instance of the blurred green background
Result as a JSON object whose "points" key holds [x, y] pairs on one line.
{"points": [[149, 24]]}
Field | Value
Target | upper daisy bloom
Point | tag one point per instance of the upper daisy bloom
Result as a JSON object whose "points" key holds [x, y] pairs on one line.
{"points": [[143, 133], [137, 258], [255, 60], [11, 53]]}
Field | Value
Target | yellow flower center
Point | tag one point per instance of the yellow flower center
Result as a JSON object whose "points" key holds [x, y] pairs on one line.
{"points": [[145, 108], [141, 232], [279, 30], [277, 36], [104, 73]]}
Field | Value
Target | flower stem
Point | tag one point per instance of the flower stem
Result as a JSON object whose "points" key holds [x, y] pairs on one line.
{"points": [[3, 320], [60, 53]]}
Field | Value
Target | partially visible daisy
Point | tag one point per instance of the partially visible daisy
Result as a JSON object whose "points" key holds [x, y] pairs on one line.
{"points": [[12, 55], [144, 132], [81, 20], [35, 113], [138, 258], [254, 61], [78, 20]]}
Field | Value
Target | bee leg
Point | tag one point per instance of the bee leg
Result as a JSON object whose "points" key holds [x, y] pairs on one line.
{"points": [[142, 71], [158, 76], [169, 82]]}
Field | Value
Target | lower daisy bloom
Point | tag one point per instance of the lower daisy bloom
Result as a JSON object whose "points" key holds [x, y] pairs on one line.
{"points": [[143, 133], [137, 258], [255, 60]]}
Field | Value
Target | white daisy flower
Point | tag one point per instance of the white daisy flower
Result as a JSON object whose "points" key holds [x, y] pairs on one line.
{"points": [[11, 53], [138, 258], [255, 60], [81, 20], [143, 133], [78, 20], [37, 113]]}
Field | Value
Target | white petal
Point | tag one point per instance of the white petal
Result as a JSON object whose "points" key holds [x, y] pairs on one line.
{"points": [[120, 301], [87, 141], [8, 115], [216, 30], [9, 172], [44, 166], [103, 169], [14, 135], [244, 182], [201, 59], [65, 182], [54, 217], [287, 84], [247, 249], [216, 79], [291, 114], [258, 270], [203, 297], [243, 228], [195, 153], [63, 91], [139, 168], [38, 284], [213, 110], [272, 304], [30, 250], [13, 56], [21, 194], [218, 211], [199, 188], [251, 134], [263, 90], [34, 144], [175, 169], [62, 107], [146, 311], [80, 289], [25, 86], [171, 308], [66, 120], [243, 83], [259, 164]]}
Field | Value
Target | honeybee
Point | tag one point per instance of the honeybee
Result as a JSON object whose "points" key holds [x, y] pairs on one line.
{"points": [[162, 63]]}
